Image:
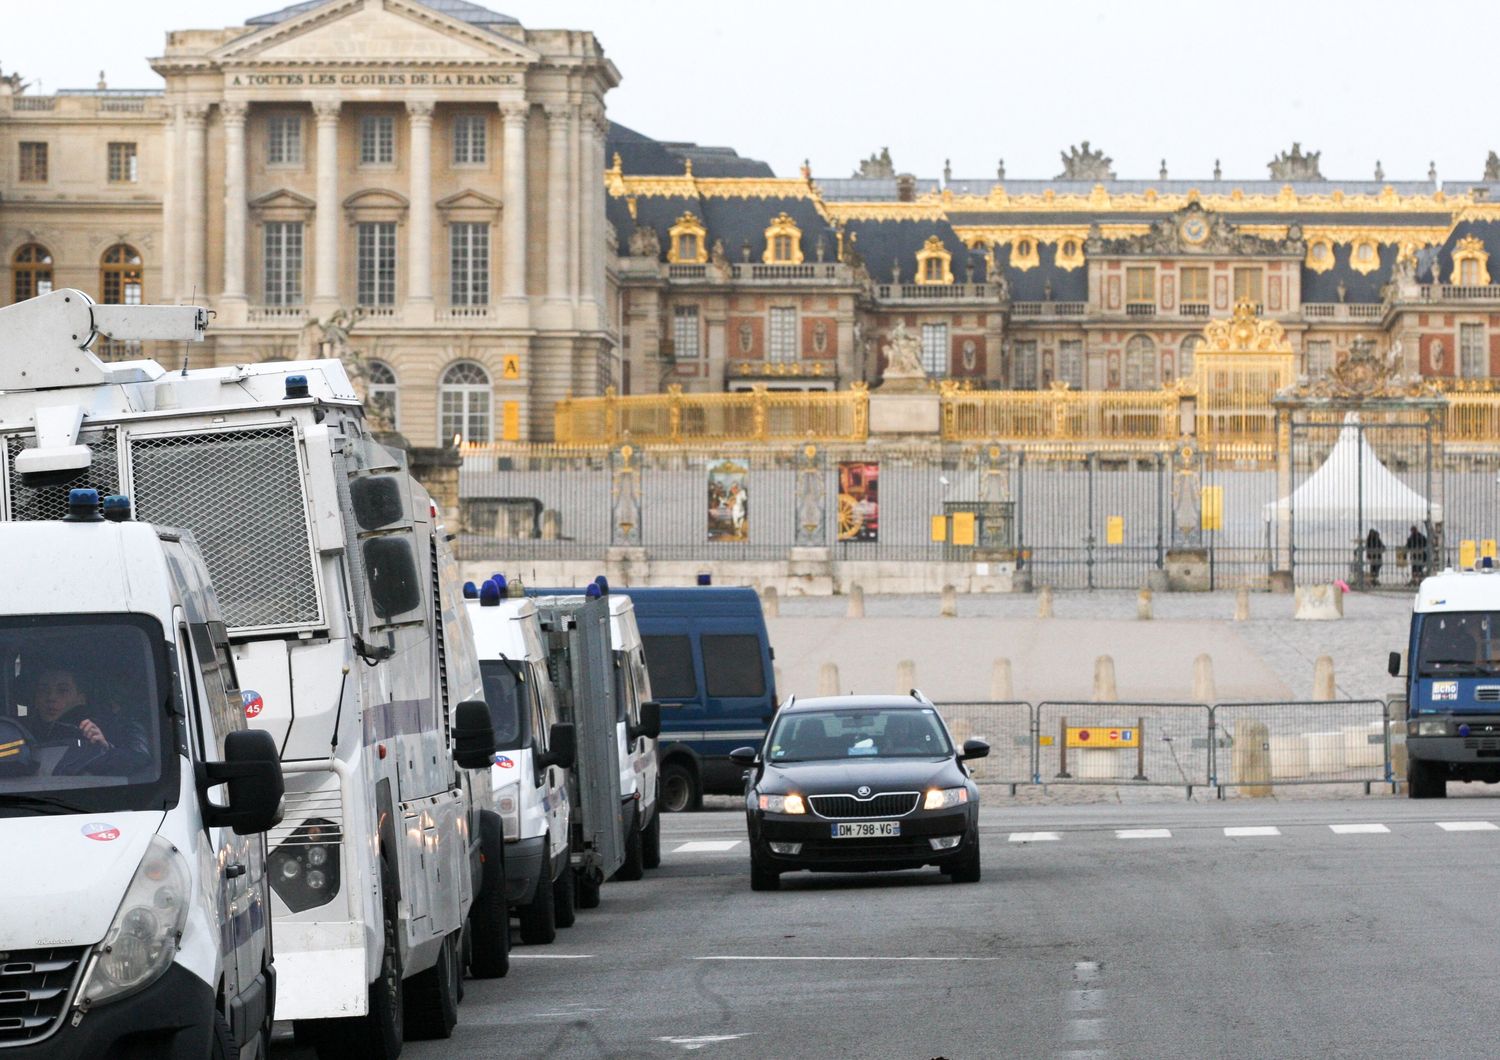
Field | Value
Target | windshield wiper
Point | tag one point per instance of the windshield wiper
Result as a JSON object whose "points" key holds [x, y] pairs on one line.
{"points": [[40, 802]]}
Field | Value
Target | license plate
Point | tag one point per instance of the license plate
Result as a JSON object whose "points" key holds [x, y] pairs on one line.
{"points": [[866, 829]]}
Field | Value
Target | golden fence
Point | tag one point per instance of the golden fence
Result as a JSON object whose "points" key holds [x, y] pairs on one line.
{"points": [[1062, 415], [1473, 417], [673, 418]]}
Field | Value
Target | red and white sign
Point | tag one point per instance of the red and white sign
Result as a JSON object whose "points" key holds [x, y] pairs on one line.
{"points": [[100, 831], [253, 703]]}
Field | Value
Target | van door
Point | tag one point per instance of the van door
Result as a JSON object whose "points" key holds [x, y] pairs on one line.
{"points": [[553, 779], [645, 747], [672, 659]]}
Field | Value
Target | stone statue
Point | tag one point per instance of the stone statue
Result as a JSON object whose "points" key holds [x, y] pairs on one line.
{"points": [[1000, 170], [1380, 170], [1294, 165], [820, 249], [718, 258], [1492, 167], [612, 239], [968, 270], [644, 242], [877, 166], [332, 341], [1343, 291], [903, 354], [1218, 172], [1404, 272], [1162, 173], [1432, 172], [745, 251], [895, 272], [1080, 163]]}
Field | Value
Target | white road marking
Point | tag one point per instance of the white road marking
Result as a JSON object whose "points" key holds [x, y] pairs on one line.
{"points": [[708, 846], [691, 1044], [550, 956], [1235, 833], [734, 958], [1034, 837], [1359, 829], [1466, 826], [1143, 833]]}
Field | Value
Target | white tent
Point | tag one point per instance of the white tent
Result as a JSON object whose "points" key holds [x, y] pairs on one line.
{"points": [[1354, 484]]}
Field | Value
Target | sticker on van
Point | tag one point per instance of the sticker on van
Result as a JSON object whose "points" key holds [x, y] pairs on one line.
{"points": [[101, 831], [253, 703], [504, 762], [1445, 690]]}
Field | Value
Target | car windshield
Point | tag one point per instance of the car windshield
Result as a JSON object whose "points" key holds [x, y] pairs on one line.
{"points": [[85, 715], [858, 732], [505, 690], [1459, 643]]}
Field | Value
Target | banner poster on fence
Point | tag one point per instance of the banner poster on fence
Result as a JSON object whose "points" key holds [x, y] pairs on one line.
{"points": [[728, 502], [859, 501]]}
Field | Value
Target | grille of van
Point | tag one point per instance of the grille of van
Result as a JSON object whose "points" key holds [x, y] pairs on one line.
{"points": [[51, 502], [34, 989], [1487, 693], [240, 493]]}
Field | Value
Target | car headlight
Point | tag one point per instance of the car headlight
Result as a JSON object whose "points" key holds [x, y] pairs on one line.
{"points": [[783, 804], [942, 798], [1432, 728], [508, 803], [142, 940], [304, 867]]}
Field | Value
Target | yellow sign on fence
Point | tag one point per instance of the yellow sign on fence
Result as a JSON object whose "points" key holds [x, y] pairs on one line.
{"points": [[1213, 507], [1114, 530], [963, 528], [1466, 554], [1103, 736], [940, 528], [1487, 548]]}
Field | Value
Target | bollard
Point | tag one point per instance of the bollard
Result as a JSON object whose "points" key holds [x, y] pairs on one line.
{"points": [[1203, 680], [828, 679], [1000, 687], [949, 606], [1143, 604], [1324, 689], [1242, 604], [1044, 602], [856, 601], [770, 603], [906, 676], [1250, 759], [1104, 679]]}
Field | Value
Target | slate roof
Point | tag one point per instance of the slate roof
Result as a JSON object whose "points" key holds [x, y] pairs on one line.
{"points": [[1486, 231], [736, 221], [459, 9], [883, 243], [640, 155]]}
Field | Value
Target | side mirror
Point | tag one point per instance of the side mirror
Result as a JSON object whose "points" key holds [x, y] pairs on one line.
{"points": [[1393, 664], [744, 756], [974, 749], [650, 726], [395, 587], [252, 770], [562, 745], [473, 735]]}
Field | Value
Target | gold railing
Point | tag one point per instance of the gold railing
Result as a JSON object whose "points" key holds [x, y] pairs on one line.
{"points": [[1061, 415], [673, 418], [1473, 417]]}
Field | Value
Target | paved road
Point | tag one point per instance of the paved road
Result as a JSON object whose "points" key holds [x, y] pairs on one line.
{"points": [[1353, 928]]}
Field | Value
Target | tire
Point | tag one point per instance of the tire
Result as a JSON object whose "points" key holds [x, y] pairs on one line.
{"points": [[588, 886], [538, 917], [378, 1034], [651, 842], [1423, 781], [763, 876], [564, 895], [489, 917], [634, 865], [967, 869], [680, 792], [224, 1047], [432, 996]]}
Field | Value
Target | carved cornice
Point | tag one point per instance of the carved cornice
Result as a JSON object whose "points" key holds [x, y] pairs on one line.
{"points": [[1234, 201], [926, 210], [1363, 375], [687, 186], [419, 111], [326, 110], [195, 113], [1243, 333], [233, 113]]}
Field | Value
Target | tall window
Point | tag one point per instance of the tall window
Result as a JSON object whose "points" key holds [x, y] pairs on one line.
{"points": [[783, 337], [935, 349], [1187, 355], [122, 163], [469, 132], [1141, 364], [33, 163], [469, 263], [1319, 358], [1023, 369], [1140, 286], [685, 343], [1194, 286], [687, 247], [377, 139], [381, 394], [1473, 360], [31, 272], [781, 248], [376, 263], [284, 140], [282, 252], [1247, 285], [932, 270], [1468, 272], [464, 404], [120, 276], [1070, 362]]}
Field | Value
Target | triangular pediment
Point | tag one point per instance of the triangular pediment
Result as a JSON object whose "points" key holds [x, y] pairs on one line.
{"points": [[376, 198], [283, 199], [373, 33], [469, 199]]}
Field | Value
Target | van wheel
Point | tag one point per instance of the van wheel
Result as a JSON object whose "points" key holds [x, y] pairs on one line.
{"points": [[432, 996], [633, 867], [223, 1044], [679, 789], [1423, 781], [651, 843], [538, 919], [588, 890], [378, 1034], [563, 897]]}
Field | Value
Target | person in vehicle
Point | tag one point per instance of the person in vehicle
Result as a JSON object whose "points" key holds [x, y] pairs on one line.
{"points": [[99, 740]]}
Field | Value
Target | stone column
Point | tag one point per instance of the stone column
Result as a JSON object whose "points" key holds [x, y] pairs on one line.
{"points": [[513, 188], [577, 200], [171, 232], [326, 234], [236, 215], [419, 232], [592, 207], [195, 202], [559, 122]]}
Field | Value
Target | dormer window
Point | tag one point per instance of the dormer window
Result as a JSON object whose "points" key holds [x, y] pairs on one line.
{"points": [[1364, 257], [1471, 263], [1069, 254], [783, 242], [1319, 255], [1023, 254], [934, 263], [686, 241]]}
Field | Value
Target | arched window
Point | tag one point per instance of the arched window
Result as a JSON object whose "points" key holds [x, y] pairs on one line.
{"points": [[1141, 364], [120, 276], [381, 396], [1187, 355], [464, 404], [32, 268]]}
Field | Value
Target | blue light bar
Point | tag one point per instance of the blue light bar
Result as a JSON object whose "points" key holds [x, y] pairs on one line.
{"points": [[117, 508], [296, 386], [471, 591], [603, 584], [592, 592], [83, 506], [489, 594]]}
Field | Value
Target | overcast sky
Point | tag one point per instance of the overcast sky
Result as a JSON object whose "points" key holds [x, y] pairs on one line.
{"points": [[833, 80]]}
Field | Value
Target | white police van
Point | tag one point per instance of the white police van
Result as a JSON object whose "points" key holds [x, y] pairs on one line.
{"points": [[134, 901], [639, 720], [534, 752]]}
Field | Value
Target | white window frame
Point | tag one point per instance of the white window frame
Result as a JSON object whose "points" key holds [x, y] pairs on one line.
{"points": [[470, 135], [375, 263], [283, 246], [1319, 358], [465, 404], [936, 348], [377, 140], [469, 263], [283, 139], [1070, 362], [1023, 364], [687, 342], [781, 334], [1142, 364], [123, 160], [1473, 352]]}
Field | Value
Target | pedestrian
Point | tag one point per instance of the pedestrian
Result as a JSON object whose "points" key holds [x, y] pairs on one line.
{"points": [[1416, 554], [1374, 554]]}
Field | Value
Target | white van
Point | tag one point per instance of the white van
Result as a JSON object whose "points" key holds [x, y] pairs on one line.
{"points": [[534, 752], [639, 720], [134, 902]]}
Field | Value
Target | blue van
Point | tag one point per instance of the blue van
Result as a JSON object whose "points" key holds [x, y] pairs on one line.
{"points": [[709, 659]]}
